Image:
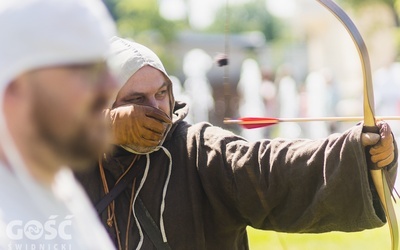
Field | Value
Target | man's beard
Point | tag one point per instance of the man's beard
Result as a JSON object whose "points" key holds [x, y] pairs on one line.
{"points": [[80, 149]]}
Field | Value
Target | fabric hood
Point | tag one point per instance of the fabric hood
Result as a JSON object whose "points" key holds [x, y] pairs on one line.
{"points": [[127, 57]]}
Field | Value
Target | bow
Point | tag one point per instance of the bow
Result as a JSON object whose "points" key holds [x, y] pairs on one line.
{"points": [[380, 182]]}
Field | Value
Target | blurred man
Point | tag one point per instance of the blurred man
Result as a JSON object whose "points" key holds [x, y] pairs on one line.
{"points": [[199, 186], [54, 85]]}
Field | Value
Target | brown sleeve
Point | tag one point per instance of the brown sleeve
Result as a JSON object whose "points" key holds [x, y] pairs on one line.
{"points": [[289, 185]]}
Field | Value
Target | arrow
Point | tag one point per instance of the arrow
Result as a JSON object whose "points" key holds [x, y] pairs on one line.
{"points": [[259, 122]]}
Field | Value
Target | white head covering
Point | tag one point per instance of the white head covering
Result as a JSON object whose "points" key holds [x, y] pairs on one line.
{"points": [[127, 57], [40, 33]]}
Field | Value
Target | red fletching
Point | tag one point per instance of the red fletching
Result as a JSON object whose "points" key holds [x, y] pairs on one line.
{"points": [[257, 122]]}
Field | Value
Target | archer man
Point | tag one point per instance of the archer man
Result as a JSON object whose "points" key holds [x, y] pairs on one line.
{"points": [[174, 185]]}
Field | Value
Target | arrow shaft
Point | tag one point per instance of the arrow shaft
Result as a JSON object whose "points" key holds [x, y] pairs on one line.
{"points": [[307, 119], [337, 119]]}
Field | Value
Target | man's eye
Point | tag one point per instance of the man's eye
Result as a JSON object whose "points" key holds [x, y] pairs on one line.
{"points": [[162, 93], [138, 99]]}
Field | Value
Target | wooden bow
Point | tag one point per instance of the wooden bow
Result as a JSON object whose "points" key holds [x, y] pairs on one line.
{"points": [[378, 176]]}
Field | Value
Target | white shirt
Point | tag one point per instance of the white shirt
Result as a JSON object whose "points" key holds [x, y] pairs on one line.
{"points": [[35, 217]]}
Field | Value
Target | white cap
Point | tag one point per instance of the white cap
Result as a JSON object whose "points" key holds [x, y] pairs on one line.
{"points": [[127, 57], [40, 33]]}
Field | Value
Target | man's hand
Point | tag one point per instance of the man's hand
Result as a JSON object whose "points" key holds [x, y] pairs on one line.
{"points": [[138, 125], [382, 147]]}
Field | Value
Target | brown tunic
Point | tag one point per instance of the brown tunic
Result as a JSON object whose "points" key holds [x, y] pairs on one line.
{"points": [[220, 183]]}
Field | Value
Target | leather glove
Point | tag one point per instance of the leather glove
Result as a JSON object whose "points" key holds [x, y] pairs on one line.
{"points": [[382, 146], [138, 127]]}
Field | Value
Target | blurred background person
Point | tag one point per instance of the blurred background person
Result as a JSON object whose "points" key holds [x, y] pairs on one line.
{"points": [[289, 103], [250, 98], [196, 64], [181, 95], [268, 92]]}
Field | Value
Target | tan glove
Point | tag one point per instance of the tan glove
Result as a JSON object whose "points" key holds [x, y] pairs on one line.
{"points": [[142, 126], [382, 146]]}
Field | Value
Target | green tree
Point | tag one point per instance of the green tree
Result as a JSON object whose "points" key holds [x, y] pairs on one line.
{"points": [[394, 6], [251, 16], [142, 22], [136, 17]]}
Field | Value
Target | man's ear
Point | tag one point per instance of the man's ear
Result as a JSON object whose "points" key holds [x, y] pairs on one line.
{"points": [[18, 94], [18, 87], [11, 89]]}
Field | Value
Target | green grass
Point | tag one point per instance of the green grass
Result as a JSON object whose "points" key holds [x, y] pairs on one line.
{"points": [[366, 240]]}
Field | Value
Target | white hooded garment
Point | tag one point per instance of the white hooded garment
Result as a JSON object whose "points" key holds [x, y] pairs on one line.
{"points": [[36, 34]]}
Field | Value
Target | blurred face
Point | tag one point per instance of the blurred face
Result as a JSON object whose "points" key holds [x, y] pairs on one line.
{"points": [[67, 104], [148, 86]]}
